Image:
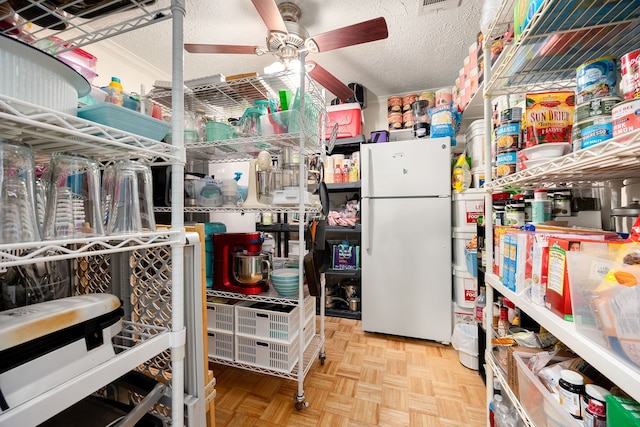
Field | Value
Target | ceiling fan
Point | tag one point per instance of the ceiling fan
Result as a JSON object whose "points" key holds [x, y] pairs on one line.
{"points": [[286, 38]]}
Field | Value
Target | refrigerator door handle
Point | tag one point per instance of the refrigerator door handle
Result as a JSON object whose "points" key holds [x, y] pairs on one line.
{"points": [[366, 235]]}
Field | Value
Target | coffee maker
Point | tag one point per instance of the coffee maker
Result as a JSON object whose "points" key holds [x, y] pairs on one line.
{"points": [[239, 265]]}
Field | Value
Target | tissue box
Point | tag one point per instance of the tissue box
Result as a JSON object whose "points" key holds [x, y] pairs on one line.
{"points": [[346, 257]]}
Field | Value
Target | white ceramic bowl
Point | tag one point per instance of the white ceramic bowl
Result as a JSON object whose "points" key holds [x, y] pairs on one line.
{"points": [[545, 151], [38, 78], [530, 164]]}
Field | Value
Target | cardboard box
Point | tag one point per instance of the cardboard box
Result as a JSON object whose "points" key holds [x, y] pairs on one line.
{"points": [[558, 294], [346, 257]]}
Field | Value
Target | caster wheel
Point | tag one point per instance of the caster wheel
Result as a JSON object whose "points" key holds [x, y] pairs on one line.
{"points": [[322, 359], [299, 405]]}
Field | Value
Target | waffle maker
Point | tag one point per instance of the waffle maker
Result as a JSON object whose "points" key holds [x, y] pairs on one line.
{"points": [[45, 344]]}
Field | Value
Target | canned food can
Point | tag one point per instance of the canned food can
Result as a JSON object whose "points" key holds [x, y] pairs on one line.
{"points": [[596, 134], [595, 107], [407, 100], [596, 78], [428, 96], [395, 121], [407, 119], [394, 104], [630, 74], [509, 115], [509, 137], [444, 96], [576, 130], [626, 117]]}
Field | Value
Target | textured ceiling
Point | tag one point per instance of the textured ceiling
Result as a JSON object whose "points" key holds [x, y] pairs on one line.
{"points": [[422, 51]]}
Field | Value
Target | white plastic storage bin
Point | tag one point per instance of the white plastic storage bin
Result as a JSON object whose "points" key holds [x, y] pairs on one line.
{"points": [[467, 207], [465, 287], [542, 407], [462, 316], [475, 143], [267, 354], [220, 345], [461, 236], [272, 321], [220, 314]]}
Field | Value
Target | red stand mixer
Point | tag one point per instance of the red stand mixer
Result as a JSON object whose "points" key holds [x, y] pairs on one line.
{"points": [[238, 263]]}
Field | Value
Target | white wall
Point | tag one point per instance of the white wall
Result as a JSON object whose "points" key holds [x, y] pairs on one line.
{"points": [[114, 61]]}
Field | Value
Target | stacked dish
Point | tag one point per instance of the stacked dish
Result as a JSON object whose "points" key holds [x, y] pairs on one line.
{"points": [[529, 158]]}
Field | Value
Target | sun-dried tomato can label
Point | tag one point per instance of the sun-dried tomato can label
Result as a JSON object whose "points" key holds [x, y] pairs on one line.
{"points": [[549, 117]]}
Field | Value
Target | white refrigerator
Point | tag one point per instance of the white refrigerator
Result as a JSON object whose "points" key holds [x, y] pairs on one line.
{"points": [[406, 238]]}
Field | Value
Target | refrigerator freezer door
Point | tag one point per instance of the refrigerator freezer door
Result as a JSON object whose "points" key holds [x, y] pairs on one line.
{"points": [[406, 267], [406, 168]]}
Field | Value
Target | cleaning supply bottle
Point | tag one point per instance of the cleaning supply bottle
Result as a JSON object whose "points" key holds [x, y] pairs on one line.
{"points": [[114, 91]]}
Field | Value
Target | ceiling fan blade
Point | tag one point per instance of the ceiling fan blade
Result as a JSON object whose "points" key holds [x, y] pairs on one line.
{"points": [[364, 32], [218, 48], [268, 10], [328, 81]]}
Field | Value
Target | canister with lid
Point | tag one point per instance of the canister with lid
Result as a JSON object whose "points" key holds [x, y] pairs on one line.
{"points": [[514, 211], [562, 203], [571, 390], [594, 402]]}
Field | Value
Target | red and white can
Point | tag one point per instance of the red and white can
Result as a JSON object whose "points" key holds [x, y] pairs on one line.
{"points": [[630, 74], [626, 117]]}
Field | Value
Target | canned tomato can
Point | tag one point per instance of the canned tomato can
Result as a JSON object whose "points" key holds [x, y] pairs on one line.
{"points": [[630, 74], [626, 117], [596, 78], [595, 108]]}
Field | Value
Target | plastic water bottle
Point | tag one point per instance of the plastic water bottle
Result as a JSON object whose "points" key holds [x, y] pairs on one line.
{"points": [[114, 91], [480, 303]]}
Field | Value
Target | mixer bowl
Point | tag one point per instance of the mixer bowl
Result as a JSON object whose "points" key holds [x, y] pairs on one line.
{"points": [[251, 269]]}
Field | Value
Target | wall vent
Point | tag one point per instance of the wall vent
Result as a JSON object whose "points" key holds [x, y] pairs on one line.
{"points": [[430, 6]]}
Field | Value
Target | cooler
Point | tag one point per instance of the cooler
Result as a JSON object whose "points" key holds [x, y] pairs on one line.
{"points": [[45, 344]]}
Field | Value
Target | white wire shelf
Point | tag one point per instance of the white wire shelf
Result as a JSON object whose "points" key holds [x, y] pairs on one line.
{"points": [[247, 148], [499, 373], [79, 23], [48, 131], [133, 346], [561, 36], [272, 209], [231, 98], [613, 159], [620, 372], [310, 354], [52, 250], [271, 296]]}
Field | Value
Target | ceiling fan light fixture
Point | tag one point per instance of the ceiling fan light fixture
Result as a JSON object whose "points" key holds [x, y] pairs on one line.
{"points": [[311, 45]]}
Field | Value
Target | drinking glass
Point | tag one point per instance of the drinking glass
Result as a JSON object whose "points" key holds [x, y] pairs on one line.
{"points": [[128, 191], [73, 199], [18, 218]]}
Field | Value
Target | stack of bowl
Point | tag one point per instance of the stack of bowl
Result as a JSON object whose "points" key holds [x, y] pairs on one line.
{"points": [[285, 281]]}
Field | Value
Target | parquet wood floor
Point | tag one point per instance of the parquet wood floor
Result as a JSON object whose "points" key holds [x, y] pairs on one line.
{"points": [[367, 380]]}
